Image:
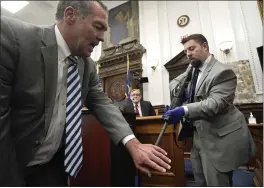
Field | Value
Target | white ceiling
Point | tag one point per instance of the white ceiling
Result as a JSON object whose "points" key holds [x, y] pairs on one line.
{"points": [[43, 12]]}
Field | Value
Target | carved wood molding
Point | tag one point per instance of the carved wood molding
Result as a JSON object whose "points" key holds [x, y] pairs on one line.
{"points": [[177, 65], [114, 59], [260, 6], [255, 108], [160, 109], [116, 89]]}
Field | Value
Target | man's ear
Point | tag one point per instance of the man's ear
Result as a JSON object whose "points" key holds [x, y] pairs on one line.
{"points": [[205, 45], [70, 15]]}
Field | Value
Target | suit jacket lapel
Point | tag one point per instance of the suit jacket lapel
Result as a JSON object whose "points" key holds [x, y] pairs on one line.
{"points": [[80, 69], [50, 57], [143, 108], [205, 74]]}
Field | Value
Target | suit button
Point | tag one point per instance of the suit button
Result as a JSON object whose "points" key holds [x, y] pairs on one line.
{"points": [[37, 143]]}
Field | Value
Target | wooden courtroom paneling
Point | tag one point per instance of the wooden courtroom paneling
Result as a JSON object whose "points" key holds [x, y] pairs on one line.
{"points": [[95, 171], [123, 170], [147, 131]]}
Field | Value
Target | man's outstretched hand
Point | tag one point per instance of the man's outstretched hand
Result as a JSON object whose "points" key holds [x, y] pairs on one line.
{"points": [[148, 156]]}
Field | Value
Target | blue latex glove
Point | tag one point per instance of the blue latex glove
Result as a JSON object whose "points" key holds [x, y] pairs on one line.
{"points": [[175, 115], [167, 107]]}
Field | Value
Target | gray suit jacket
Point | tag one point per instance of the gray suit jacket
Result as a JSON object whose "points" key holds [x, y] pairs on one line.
{"points": [[224, 133], [28, 81]]}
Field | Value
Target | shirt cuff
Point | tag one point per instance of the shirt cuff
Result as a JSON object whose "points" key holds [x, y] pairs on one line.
{"points": [[127, 138], [185, 110]]}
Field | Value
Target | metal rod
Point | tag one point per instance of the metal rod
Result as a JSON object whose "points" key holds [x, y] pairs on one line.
{"points": [[161, 133]]}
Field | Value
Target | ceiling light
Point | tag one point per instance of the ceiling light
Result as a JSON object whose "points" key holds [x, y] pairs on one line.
{"points": [[13, 6]]}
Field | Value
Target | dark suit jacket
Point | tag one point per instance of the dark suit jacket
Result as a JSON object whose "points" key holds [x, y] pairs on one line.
{"points": [[146, 108], [28, 81]]}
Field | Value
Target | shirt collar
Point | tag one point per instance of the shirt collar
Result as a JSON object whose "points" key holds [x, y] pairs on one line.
{"points": [[134, 104], [205, 63], [63, 49]]}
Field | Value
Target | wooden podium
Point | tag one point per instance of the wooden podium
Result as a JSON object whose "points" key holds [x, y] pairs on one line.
{"points": [[123, 170], [96, 168], [104, 164], [98, 153], [147, 131]]}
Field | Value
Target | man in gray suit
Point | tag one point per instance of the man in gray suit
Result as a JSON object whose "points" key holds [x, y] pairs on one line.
{"points": [[45, 77], [221, 138]]}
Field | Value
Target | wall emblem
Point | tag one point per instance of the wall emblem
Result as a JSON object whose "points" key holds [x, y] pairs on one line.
{"points": [[183, 20], [116, 91]]}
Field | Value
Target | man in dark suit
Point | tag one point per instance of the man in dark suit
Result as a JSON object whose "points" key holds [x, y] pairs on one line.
{"points": [[46, 76], [138, 106], [221, 139]]}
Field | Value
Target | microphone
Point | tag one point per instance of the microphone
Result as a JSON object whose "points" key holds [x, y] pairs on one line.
{"points": [[179, 94], [177, 100]]}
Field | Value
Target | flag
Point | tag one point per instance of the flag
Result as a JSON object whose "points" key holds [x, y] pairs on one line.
{"points": [[128, 84]]}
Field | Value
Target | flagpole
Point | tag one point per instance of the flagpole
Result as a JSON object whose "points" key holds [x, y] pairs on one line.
{"points": [[97, 67], [127, 78], [127, 62]]}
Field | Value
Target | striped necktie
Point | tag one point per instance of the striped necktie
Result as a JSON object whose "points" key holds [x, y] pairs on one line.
{"points": [[73, 149]]}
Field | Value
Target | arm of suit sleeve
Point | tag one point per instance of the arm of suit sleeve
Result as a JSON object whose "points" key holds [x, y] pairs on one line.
{"points": [[9, 173], [185, 110], [125, 109], [221, 95], [106, 113]]}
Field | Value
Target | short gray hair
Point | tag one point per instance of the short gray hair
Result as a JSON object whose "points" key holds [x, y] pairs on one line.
{"points": [[83, 7]]}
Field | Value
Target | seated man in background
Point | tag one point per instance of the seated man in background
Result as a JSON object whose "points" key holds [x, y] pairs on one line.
{"points": [[140, 107]]}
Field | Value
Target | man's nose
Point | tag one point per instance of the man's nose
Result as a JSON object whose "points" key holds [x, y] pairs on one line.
{"points": [[100, 37], [189, 54]]}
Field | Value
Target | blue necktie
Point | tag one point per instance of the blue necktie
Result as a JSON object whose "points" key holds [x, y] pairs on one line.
{"points": [[193, 84], [73, 150]]}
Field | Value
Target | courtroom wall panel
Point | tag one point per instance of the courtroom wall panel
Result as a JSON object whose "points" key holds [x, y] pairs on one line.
{"points": [[95, 171]]}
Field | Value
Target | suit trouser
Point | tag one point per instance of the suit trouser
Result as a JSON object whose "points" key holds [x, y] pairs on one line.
{"points": [[205, 174], [51, 174]]}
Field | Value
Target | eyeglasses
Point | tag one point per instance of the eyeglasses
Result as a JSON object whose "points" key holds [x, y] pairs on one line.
{"points": [[135, 94]]}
